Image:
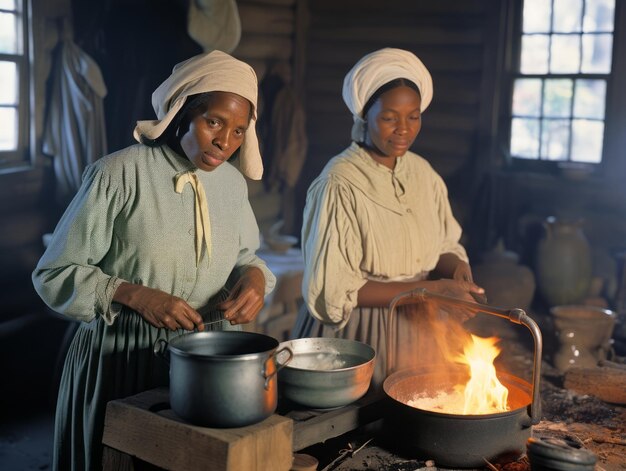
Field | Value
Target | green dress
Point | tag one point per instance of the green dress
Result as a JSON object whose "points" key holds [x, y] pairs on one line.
{"points": [[127, 223]]}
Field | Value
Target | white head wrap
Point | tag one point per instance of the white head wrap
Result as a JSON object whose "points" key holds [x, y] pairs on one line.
{"points": [[375, 70], [215, 71]]}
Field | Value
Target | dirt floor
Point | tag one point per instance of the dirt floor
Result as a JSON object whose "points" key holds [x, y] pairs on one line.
{"points": [[583, 422]]}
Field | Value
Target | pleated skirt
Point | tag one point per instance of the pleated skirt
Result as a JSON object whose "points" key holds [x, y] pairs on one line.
{"points": [[104, 363]]}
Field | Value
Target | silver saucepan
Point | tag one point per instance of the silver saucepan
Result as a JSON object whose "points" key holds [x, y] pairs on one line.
{"points": [[223, 378]]}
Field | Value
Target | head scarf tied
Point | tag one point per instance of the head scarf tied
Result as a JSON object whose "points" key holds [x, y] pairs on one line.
{"points": [[375, 70], [212, 72]]}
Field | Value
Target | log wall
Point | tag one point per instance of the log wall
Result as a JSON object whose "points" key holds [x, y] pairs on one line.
{"points": [[456, 41]]}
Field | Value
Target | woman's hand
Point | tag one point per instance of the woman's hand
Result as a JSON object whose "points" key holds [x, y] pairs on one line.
{"points": [[158, 308], [246, 298], [459, 289], [463, 272]]}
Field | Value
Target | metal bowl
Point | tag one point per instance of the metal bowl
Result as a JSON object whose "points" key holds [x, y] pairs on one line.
{"points": [[326, 372]]}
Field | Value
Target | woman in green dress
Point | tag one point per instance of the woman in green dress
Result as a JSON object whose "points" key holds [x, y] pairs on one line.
{"points": [[159, 239]]}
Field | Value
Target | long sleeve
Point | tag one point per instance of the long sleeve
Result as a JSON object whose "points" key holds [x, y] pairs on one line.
{"points": [[332, 252], [80, 241]]}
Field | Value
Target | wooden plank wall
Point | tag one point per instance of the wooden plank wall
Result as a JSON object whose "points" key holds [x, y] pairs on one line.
{"points": [[456, 41], [270, 38]]}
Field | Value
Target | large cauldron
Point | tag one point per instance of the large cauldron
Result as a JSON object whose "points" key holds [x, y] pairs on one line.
{"points": [[460, 440]]}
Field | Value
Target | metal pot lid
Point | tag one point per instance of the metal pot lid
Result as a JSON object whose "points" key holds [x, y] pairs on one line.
{"points": [[558, 454]]}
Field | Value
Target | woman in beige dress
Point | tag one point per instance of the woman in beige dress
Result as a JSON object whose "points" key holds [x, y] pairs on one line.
{"points": [[377, 220]]}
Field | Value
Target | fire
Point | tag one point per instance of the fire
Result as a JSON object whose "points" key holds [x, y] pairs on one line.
{"points": [[483, 393]]}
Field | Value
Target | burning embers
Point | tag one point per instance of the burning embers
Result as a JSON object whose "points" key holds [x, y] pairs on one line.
{"points": [[483, 393]]}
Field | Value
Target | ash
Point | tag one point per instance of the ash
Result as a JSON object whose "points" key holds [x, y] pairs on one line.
{"points": [[562, 405]]}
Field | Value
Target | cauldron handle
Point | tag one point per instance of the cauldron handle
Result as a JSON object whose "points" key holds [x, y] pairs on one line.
{"points": [[517, 316]]}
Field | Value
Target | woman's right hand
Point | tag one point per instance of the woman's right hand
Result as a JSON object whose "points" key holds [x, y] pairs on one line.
{"points": [[158, 308]]}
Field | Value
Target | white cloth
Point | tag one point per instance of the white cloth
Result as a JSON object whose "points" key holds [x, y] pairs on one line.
{"points": [[212, 72], [376, 69], [74, 134], [214, 24]]}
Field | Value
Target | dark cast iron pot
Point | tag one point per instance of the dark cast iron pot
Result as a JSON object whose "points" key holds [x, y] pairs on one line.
{"points": [[452, 440]]}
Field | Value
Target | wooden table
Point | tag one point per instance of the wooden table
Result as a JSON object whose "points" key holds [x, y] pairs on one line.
{"points": [[144, 427]]}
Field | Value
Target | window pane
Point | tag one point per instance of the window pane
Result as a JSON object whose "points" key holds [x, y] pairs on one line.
{"points": [[597, 51], [8, 83], [536, 16], [567, 16], [8, 130], [590, 99], [525, 138], [8, 33], [557, 98], [527, 97], [587, 141], [555, 139], [565, 54], [8, 4], [534, 54], [599, 16]]}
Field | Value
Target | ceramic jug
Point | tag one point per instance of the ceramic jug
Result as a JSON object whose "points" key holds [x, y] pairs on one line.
{"points": [[507, 283], [583, 334], [563, 262]]}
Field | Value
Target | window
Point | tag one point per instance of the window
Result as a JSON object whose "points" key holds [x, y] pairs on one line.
{"points": [[14, 86], [559, 87]]}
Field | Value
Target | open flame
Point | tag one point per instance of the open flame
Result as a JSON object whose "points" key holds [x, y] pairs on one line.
{"points": [[482, 394]]}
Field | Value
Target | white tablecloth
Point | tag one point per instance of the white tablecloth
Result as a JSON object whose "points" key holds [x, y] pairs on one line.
{"points": [[281, 263]]}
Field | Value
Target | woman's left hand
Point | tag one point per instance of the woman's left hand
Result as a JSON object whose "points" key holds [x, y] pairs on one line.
{"points": [[246, 298]]}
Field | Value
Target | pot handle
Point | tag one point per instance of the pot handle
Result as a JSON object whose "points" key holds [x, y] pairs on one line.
{"points": [[160, 349], [279, 366], [516, 316]]}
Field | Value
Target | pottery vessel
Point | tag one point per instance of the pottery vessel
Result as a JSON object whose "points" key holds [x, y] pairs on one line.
{"points": [[507, 284], [583, 334], [563, 263]]}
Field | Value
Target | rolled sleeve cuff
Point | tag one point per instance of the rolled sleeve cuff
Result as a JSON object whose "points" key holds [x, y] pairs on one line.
{"points": [[105, 306]]}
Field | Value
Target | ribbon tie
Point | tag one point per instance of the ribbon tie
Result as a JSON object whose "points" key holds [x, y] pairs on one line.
{"points": [[203, 224]]}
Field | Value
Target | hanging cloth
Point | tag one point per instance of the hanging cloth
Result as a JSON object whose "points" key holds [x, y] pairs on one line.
{"points": [[214, 24], [288, 140], [74, 134], [203, 224]]}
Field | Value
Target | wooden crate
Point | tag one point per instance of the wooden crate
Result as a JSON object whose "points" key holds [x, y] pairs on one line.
{"points": [[316, 426], [145, 427]]}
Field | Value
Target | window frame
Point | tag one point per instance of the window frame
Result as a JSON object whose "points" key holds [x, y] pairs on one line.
{"points": [[22, 158], [612, 141]]}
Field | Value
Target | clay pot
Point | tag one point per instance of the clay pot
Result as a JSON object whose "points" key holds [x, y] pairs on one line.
{"points": [[563, 262], [584, 335], [507, 284]]}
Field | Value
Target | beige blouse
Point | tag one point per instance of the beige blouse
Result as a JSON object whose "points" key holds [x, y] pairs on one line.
{"points": [[363, 221]]}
